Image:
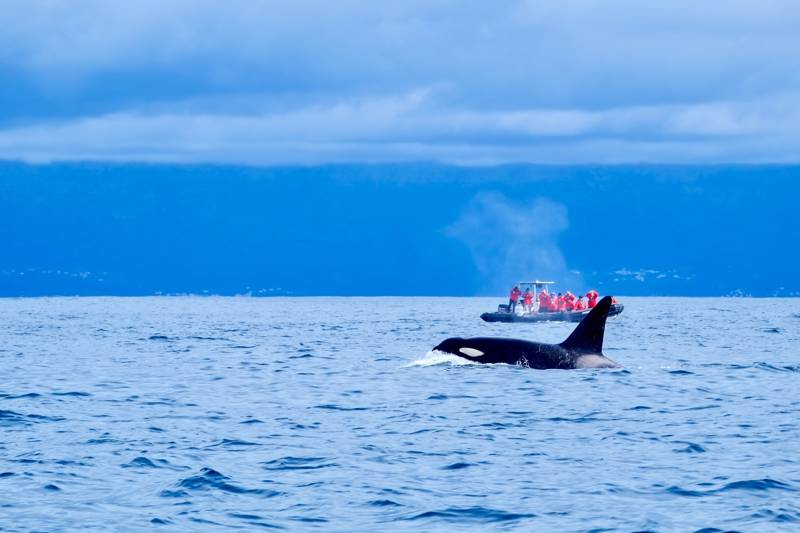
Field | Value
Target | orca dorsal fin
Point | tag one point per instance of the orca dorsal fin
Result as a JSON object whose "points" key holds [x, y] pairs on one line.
{"points": [[588, 336]]}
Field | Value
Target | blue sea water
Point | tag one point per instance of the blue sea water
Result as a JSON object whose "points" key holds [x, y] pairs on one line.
{"points": [[190, 413]]}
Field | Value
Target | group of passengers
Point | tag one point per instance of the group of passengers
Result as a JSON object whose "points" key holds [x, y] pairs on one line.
{"points": [[551, 303]]}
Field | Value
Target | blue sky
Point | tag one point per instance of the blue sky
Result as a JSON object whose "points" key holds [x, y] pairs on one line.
{"points": [[462, 82]]}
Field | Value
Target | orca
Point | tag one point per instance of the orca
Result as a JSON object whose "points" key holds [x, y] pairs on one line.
{"points": [[582, 349]]}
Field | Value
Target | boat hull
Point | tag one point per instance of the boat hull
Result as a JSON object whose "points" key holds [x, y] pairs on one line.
{"points": [[559, 316]]}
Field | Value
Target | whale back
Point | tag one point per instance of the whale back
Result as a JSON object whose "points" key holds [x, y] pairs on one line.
{"points": [[587, 338]]}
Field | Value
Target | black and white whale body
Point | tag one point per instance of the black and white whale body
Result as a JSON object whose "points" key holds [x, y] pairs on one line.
{"points": [[582, 349]]}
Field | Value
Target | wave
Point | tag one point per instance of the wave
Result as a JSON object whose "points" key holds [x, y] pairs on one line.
{"points": [[471, 514], [254, 519], [210, 479], [691, 447], [144, 462], [232, 443], [334, 407], [28, 395], [140, 462], [458, 466], [298, 463], [8, 418], [776, 368], [759, 485], [384, 503]]}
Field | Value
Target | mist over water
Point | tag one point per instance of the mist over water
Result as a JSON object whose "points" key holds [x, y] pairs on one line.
{"points": [[331, 414], [510, 237]]}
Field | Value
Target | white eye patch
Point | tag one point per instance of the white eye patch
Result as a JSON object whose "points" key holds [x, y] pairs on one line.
{"points": [[472, 352]]}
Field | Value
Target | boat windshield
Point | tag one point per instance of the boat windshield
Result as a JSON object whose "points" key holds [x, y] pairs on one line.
{"points": [[536, 286]]}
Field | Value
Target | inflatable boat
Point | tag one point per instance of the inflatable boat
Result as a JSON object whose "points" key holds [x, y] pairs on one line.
{"points": [[503, 315]]}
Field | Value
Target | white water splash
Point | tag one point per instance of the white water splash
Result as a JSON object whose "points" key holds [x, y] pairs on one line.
{"points": [[435, 357]]}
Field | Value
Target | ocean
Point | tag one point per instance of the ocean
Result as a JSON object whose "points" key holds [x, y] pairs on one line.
{"points": [[332, 414]]}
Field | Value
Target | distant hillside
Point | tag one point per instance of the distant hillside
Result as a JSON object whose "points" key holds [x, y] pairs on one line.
{"points": [[397, 229]]}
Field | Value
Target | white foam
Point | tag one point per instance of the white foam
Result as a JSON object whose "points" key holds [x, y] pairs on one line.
{"points": [[435, 357]]}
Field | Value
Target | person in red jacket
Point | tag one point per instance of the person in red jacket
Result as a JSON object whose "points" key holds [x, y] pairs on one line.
{"points": [[592, 297], [580, 305], [569, 302], [527, 300], [513, 298], [544, 301]]}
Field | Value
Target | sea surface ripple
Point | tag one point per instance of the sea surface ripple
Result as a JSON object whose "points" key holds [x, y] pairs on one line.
{"points": [[202, 413]]}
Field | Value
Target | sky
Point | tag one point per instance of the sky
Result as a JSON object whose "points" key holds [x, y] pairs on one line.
{"points": [[251, 82]]}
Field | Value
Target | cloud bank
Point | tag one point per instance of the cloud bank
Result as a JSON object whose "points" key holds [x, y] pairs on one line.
{"points": [[265, 82]]}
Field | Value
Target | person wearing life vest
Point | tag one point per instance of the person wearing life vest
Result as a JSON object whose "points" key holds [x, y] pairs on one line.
{"points": [[527, 300], [544, 301], [558, 301], [569, 303], [580, 305], [513, 298], [592, 296]]}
